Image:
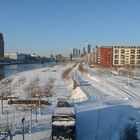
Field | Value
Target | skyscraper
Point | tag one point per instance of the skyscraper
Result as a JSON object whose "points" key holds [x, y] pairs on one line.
{"points": [[88, 48], [1, 46], [75, 52]]}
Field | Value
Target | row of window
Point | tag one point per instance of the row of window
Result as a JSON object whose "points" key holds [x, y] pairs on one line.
{"points": [[131, 56], [122, 51], [127, 62], [126, 47]]}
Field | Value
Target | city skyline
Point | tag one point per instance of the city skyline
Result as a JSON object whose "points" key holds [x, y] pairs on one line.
{"points": [[51, 26]]}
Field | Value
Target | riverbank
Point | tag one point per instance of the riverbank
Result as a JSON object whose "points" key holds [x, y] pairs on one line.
{"points": [[19, 88], [7, 70], [11, 63], [24, 62]]}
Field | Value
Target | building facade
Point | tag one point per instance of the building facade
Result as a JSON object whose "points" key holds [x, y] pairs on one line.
{"points": [[126, 55], [106, 56], [88, 48], [17, 56], [1, 46], [75, 52], [118, 55]]}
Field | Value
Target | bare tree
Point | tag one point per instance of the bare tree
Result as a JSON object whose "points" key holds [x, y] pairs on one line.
{"points": [[81, 68], [6, 90], [66, 73], [20, 81], [48, 87], [32, 88], [29, 108], [45, 90]]}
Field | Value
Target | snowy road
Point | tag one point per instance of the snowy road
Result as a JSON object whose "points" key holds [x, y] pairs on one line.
{"points": [[107, 110]]}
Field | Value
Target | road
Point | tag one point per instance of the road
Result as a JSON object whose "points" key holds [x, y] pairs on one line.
{"points": [[105, 98]]}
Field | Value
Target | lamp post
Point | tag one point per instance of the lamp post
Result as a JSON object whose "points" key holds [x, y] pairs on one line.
{"points": [[104, 81], [128, 79], [10, 135], [23, 119], [36, 113]]}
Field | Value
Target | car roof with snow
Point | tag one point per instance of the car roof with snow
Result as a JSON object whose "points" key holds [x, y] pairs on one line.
{"points": [[64, 111]]}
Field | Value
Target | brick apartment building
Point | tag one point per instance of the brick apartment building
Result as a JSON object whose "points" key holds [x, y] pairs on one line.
{"points": [[106, 56]]}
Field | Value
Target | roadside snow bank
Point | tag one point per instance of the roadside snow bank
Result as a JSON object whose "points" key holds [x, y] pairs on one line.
{"points": [[78, 95], [69, 84]]}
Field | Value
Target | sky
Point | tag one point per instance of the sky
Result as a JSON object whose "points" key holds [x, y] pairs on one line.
{"points": [[56, 26]]}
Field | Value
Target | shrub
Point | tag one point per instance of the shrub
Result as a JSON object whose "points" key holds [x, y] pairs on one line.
{"points": [[66, 73], [130, 133], [81, 69]]}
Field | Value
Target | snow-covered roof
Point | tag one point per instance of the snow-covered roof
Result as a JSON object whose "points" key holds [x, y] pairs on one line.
{"points": [[64, 123], [64, 111]]}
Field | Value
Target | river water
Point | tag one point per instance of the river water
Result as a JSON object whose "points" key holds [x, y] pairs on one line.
{"points": [[7, 70]]}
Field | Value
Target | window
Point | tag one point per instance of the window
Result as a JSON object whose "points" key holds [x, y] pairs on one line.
{"points": [[138, 61], [116, 61], [132, 56], [132, 51], [138, 56], [122, 62], [122, 51], [116, 51], [138, 51], [126, 62], [132, 61], [116, 56], [122, 56]]}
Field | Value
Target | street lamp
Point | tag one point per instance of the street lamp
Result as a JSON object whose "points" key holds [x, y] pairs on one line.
{"points": [[23, 119], [128, 79]]}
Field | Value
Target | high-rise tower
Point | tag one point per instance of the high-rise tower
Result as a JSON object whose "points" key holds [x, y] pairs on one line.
{"points": [[1, 46], [88, 47]]}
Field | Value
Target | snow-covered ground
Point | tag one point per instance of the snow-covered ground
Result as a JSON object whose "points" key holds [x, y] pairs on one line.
{"points": [[104, 103], [112, 104], [12, 117]]}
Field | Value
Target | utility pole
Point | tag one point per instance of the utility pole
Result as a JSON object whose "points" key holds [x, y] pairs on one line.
{"points": [[104, 81], [128, 79], [23, 119], [30, 112], [36, 113]]}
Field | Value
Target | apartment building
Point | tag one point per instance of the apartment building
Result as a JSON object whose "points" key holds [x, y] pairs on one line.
{"points": [[126, 55], [116, 55], [17, 56], [97, 55], [106, 54]]}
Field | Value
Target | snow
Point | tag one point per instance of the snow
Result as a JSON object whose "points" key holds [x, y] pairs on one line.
{"points": [[64, 123], [111, 105], [104, 103], [78, 95], [64, 111]]}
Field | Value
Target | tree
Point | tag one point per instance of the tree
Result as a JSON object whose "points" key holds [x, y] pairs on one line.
{"points": [[6, 90], [29, 108], [130, 133]]}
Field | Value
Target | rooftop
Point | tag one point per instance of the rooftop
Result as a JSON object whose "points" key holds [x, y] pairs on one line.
{"points": [[64, 111]]}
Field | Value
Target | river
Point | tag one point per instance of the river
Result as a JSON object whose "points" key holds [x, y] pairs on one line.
{"points": [[7, 70]]}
